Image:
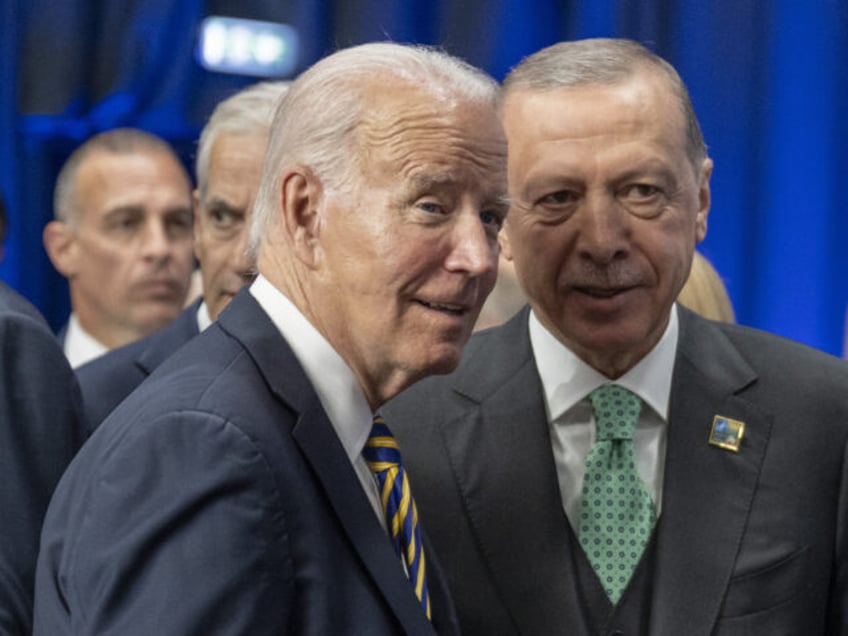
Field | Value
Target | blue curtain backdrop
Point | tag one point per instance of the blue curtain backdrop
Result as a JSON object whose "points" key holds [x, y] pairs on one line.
{"points": [[768, 80]]}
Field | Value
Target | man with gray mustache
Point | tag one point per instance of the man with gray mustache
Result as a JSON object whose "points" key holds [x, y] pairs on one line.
{"points": [[608, 462]]}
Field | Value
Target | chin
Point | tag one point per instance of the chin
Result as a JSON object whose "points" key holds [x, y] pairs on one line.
{"points": [[447, 362]]}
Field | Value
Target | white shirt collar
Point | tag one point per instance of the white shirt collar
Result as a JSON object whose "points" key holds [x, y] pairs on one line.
{"points": [[203, 318], [334, 382], [566, 379], [80, 346]]}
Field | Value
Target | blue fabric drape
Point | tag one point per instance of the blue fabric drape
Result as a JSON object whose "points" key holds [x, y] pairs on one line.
{"points": [[766, 78]]}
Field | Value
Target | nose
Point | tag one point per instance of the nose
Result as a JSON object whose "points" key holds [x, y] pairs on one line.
{"points": [[474, 246], [604, 229], [155, 243]]}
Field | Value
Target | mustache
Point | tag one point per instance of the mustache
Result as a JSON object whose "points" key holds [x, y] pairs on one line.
{"points": [[612, 276]]}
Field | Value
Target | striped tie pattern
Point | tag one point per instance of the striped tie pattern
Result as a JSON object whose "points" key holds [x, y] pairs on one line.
{"points": [[382, 455]]}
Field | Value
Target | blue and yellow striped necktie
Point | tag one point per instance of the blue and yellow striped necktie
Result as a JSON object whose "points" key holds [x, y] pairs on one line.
{"points": [[382, 455]]}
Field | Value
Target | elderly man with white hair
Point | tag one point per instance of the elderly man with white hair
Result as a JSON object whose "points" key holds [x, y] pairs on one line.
{"points": [[250, 486]]}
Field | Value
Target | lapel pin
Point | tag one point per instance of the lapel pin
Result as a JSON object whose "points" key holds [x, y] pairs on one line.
{"points": [[727, 433]]}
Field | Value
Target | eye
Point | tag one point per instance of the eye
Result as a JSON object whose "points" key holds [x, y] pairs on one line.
{"points": [[557, 206], [640, 192], [491, 218], [222, 217], [644, 200], [559, 198], [124, 222], [431, 207], [178, 225], [127, 222], [495, 216]]}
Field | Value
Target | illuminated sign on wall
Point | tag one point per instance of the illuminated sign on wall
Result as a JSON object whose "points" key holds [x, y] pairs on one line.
{"points": [[247, 47]]}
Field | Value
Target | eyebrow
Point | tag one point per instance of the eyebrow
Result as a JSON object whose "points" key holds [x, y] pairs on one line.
{"points": [[430, 179], [217, 203]]}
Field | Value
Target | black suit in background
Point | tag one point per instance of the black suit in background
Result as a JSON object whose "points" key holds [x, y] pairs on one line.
{"points": [[107, 380], [754, 542], [40, 430], [217, 499]]}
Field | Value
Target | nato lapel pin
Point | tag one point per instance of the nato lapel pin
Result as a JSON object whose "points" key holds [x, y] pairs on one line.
{"points": [[727, 433]]}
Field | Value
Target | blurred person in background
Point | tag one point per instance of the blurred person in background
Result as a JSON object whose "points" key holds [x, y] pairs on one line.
{"points": [[122, 237], [40, 430], [704, 292], [229, 164]]}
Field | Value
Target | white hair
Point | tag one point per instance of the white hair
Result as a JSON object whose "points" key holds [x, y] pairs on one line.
{"points": [[248, 112], [317, 120]]}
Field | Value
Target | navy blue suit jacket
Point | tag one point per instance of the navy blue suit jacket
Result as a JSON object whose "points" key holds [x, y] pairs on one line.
{"points": [[217, 499], [40, 430], [107, 380]]}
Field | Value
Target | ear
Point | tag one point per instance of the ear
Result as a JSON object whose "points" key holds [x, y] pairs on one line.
{"points": [[503, 240], [703, 200], [61, 246], [303, 199]]}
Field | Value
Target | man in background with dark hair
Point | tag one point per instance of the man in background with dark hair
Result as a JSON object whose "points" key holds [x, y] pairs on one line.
{"points": [[122, 237]]}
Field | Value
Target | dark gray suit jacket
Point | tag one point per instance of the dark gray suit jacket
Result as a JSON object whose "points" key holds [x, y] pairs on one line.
{"points": [[754, 542], [40, 430], [108, 379], [217, 499]]}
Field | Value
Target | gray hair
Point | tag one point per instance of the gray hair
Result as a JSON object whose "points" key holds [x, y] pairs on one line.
{"points": [[248, 112], [119, 141], [603, 61], [318, 118]]}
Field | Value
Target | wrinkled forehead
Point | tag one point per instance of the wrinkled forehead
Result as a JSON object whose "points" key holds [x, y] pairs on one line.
{"points": [[410, 129], [640, 101]]}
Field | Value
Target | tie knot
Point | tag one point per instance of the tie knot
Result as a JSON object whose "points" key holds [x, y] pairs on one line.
{"points": [[616, 412], [381, 451]]}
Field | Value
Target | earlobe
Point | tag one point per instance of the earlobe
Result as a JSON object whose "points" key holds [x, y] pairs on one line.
{"points": [[503, 240], [303, 199], [59, 244]]}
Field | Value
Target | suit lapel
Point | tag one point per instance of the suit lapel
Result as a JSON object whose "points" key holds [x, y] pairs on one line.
{"points": [[707, 491], [322, 449], [501, 451]]}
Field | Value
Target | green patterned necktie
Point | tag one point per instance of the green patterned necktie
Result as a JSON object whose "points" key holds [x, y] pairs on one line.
{"points": [[616, 512]]}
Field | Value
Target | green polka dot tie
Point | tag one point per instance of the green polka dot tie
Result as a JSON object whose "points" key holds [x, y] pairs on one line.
{"points": [[616, 512]]}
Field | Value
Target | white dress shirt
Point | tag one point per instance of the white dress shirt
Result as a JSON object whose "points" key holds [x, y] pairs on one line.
{"points": [[80, 346], [567, 382], [203, 318], [333, 381]]}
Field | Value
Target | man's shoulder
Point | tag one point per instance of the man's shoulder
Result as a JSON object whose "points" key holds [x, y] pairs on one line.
{"points": [[14, 305], [108, 379], [767, 353], [214, 372]]}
